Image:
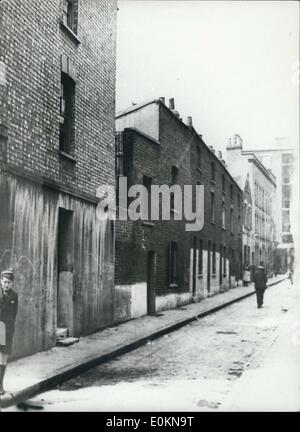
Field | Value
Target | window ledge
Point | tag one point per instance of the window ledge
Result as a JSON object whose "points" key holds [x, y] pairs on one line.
{"points": [[214, 275], [67, 156], [175, 211], [223, 228], [199, 170], [200, 276], [174, 285], [213, 222], [148, 223], [213, 181], [69, 32]]}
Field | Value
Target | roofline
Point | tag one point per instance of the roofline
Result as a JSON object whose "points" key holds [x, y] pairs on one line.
{"points": [[261, 166], [135, 107], [190, 128], [272, 150], [141, 133]]}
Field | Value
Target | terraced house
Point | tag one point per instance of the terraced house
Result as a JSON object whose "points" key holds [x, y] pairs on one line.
{"points": [[159, 264], [57, 107]]}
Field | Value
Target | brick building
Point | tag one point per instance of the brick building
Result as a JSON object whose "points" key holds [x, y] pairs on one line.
{"points": [[259, 186], [57, 104], [159, 264]]}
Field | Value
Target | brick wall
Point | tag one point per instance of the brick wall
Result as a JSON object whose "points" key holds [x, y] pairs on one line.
{"points": [[31, 44]]}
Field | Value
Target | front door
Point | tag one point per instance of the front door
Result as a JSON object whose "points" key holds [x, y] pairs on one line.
{"points": [[65, 262], [150, 282]]}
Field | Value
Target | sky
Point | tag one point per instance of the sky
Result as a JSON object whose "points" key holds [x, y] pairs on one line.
{"points": [[230, 65]]}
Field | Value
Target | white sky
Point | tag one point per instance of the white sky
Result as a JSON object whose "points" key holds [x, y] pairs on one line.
{"points": [[228, 64]]}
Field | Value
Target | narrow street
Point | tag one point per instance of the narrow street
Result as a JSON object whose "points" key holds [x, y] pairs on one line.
{"points": [[192, 369]]}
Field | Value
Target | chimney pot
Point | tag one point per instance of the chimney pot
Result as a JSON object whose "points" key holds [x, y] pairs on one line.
{"points": [[171, 104], [189, 122]]}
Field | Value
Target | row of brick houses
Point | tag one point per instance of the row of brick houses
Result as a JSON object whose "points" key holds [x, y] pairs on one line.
{"points": [[159, 265]]}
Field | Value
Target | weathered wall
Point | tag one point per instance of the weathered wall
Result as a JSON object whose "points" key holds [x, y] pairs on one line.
{"points": [[30, 215]]}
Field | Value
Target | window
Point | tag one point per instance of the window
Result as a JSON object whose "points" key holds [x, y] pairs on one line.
{"points": [[213, 171], [198, 157], [223, 183], [173, 263], [70, 14], [287, 173], [200, 258], [231, 192], [147, 182], [287, 158], [223, 215], [212, 207], [231, 221], [214, 259], [174, 180], [67, 105], [286, 224]]}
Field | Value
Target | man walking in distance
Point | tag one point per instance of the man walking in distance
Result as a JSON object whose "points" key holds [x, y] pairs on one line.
{"points": [[260, 281], [8, 313]]}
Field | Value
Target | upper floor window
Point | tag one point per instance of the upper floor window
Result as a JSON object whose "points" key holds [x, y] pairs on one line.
{"points": [[174, 180], [147, 182], [198, 157], [67, 106], [223, 216], [231, 192], [223, 183], [287, 158], [213, 171], [212, 208], [70, 14]]}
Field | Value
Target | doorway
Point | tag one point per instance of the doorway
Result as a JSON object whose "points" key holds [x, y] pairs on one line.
{"points": [[65, 263], [151, 257]]}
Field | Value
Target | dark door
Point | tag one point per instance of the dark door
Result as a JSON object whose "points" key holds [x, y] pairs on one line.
{"points": [[150, 282], [65, 263], [220, 267], [194, 265], [208, 266]]}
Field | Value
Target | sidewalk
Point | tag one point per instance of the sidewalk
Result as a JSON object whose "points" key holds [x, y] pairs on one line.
{"points": [[31, 375]]}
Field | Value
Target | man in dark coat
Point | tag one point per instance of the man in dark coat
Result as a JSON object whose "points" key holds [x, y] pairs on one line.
{"points": [[260, 281], [8, 313]]}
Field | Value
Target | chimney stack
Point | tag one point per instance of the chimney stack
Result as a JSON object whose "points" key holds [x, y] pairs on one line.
{"points": [[189, 122], [162, 99], [220, 154], [171, 104]]}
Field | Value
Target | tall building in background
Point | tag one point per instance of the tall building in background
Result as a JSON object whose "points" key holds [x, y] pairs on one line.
{"points": [[57, 108], [283, 160], [259, 186]]}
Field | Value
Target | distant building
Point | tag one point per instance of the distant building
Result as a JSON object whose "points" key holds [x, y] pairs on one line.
{"points": [[159, 265], [283, 160], [259, 185], [57, 107]]}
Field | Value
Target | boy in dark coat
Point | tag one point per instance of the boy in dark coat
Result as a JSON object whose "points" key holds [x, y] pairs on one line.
{"points": [[8, 313], [260, 281]]}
